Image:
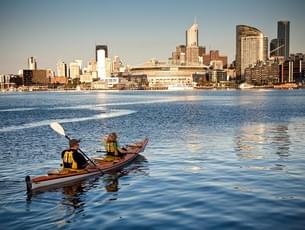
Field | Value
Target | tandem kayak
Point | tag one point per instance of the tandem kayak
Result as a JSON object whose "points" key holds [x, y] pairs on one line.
{"points": [[62, 177]]}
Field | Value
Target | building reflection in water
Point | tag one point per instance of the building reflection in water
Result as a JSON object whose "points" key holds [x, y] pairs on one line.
{"points": [[281, 140], [260, 141]]}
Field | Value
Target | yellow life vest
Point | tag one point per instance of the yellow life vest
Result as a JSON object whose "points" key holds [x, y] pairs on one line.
{"points": [[112, 148], [69, 161]]}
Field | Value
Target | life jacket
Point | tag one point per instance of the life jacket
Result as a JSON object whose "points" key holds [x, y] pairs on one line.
{"points": [[112, 148], [68, 160]]}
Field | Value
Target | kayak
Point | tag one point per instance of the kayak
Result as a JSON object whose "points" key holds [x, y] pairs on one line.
{"points": [[105, 164]]}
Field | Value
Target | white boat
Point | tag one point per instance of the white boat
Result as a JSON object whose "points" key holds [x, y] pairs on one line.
{"points": [[246, 86], [180, 86]]}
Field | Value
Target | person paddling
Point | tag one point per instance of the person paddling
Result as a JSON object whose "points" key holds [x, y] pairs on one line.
{"points": [[72, 159], [112, 146]]}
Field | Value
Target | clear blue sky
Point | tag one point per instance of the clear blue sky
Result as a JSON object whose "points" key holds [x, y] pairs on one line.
{"points": [[135, 30]]}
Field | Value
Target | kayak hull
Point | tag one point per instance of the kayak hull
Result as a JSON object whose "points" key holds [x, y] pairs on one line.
{"points": [[60, 178]]}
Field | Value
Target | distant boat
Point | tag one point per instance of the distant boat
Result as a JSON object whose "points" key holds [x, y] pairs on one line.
{"points": [[246, 86], [179, 86]]}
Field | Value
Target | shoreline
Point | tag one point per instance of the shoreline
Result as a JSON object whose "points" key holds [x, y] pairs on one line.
{"points": [[4, 91]]}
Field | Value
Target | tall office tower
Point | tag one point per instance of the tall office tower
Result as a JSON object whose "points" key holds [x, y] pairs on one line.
{"points": [[75, 70], [250, 45], [265, 58], [283, 30], [32, 63], [193, 50], [101, 53], [61, 69], [192, 36]]}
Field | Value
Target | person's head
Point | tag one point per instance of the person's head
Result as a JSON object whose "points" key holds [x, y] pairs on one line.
{"points": [[74, 143], [111, 137], [115, 136]]}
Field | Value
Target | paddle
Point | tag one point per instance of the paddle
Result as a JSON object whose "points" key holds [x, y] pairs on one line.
{"points": [[60, 130]]}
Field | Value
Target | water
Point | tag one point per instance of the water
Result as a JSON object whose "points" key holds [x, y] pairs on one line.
{"points": [[215, 160]]}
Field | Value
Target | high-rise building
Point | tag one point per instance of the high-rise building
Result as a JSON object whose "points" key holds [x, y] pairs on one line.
{"points": [[266, 43], [283, 31], [101, 53], [61, 69], [32, 63], [250, 48], [75, 70], [192, 36]]}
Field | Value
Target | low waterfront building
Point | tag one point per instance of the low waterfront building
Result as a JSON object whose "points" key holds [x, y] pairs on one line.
{"points": [[59, 80], [217, 75], [10, 80], [293, 69], [86, 77], [262, 73], [37, 77], [162, 76]]}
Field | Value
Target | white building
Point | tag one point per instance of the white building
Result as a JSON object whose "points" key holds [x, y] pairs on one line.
{"points": [[74, 68], [250, 47], [61, 69], [192, 36], [101, 55], [32, 63]]}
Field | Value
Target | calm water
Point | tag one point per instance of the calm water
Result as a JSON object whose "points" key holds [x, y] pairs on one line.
{"points": [[215, 160]]}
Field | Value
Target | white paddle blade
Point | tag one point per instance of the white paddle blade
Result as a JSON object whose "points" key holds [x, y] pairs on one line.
{"points": [[58, 128]]}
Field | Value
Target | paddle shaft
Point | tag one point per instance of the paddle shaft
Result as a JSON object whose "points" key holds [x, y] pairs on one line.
{"points": [[82, 152]]}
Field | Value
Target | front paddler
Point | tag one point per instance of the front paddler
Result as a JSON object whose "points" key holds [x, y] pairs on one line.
{"points": [[72, 159]]}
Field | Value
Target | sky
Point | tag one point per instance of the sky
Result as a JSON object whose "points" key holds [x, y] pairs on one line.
{"points": [[134, 30]]}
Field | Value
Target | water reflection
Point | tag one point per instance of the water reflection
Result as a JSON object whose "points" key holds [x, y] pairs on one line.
{"points": [[250, 141], [258, 141], [281, 140]]}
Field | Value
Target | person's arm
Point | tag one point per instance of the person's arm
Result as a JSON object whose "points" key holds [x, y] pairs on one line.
{"points": [[62, 154], [80, 159]]}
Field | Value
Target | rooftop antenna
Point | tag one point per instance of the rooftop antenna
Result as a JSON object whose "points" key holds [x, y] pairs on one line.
{"points": [[195, 20]]}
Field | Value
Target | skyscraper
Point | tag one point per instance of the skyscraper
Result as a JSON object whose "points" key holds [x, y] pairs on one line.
{"points": [[283, 31], [250, 48], [192, 36], [62, 69], [101, 53], [75, 69], [193, 50], [32, 63]]}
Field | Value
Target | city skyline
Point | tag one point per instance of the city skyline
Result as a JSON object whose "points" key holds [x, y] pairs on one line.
{"points": [[134, 30]]}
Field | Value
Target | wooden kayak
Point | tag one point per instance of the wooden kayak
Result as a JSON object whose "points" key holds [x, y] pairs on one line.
{"points": [[106, 164]]}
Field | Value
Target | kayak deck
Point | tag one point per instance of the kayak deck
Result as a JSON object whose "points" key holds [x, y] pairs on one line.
{"points": [[106, 164]]}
